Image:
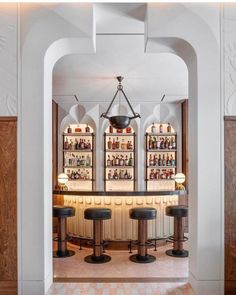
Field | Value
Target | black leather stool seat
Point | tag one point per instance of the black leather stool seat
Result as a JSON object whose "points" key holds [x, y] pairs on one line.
{"points": [[97, 213], [177, 211], [63, 211], [143, 213]]}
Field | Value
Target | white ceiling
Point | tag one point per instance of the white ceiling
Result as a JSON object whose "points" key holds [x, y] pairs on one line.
{"points": [[147, 76]]}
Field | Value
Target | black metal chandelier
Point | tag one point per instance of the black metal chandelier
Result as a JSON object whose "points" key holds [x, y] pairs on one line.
{"points": [[120, 121]]}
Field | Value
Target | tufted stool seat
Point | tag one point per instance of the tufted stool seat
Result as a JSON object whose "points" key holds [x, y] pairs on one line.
{"points": [[97, 215], [62, 213], [178, 212], [142, 215]]}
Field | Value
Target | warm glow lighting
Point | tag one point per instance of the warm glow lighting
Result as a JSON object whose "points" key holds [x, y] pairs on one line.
{"points": [[179, 178], [62, 178]]}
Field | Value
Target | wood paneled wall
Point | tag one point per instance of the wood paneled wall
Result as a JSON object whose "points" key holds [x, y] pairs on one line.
{"points": [[8, 206], [230, 204], [54, 143]]}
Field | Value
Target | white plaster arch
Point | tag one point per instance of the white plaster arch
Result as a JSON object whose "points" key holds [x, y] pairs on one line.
{"points": [[35, 236]]}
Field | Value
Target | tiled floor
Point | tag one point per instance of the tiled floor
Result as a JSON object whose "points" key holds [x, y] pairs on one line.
{"points": [[165, 267], [120, 289]]}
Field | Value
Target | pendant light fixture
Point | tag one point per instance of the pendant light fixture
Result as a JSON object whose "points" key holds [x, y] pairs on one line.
{"points": [[120, 121]]}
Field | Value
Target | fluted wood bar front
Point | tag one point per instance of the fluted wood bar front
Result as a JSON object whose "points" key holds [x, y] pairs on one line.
{"points": [[120, 227]]}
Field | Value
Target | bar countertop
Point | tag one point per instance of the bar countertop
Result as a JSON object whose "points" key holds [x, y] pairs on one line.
{"points": [[121, 193]]}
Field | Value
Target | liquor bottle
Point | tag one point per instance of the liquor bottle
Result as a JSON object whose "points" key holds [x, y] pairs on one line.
{"points": [[116, 176], [82, 146], [162, 145], [163, 161], [159, 161], [122, 175], [172, 160], [71, 145], [154, 143], [87, 129], [161, 128], [172, 175], [174, 143], [82, 162], [69, 129], [155, 160], [168, 162], [89, 146], [150, 143], [122, 162], [66, 144], [88, 161], [131, 160], [168, 128], [151, 160], [108, 161], [126, 174], [166, 143], [171, 144], [117, 161], [109, 144], [109, 174], [110, 129], [126, 161], [114, 144], [153, 128], [151, 175], [117, 143], [113, 160], [123, 145], [158, 143]]}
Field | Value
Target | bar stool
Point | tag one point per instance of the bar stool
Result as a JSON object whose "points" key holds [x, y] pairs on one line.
{"points": [[62, 212], [142, 215], [97, 215], [178, 212]]}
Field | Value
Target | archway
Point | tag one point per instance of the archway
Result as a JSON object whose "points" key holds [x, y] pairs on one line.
{"points": [[36, 236]]}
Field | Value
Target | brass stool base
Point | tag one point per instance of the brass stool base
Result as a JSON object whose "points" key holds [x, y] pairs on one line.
{"points": [[177, 253], [99, 259], [142, 259], [57, 254]]}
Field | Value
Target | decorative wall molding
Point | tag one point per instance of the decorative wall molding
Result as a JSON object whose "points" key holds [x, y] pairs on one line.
{"points": [[8, 59]]}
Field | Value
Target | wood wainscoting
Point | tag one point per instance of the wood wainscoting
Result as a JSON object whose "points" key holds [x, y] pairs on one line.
{"points": [[230, 204], [8, 206]]}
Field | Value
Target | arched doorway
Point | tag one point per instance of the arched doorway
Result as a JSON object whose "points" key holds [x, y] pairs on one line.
{"points": [[37, 198]]}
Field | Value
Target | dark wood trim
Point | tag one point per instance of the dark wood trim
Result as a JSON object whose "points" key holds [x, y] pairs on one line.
{"points": [[119, 280], [129, 194], [229, 118], [8, 119], [8, 287], [230, 204], [54, 143]]}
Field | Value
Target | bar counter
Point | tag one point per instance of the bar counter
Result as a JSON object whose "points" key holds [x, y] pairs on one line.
{"points": [[120, 227]]}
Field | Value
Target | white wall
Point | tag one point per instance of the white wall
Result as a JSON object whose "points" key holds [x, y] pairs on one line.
{"points": [[8, 59], [30, 201]]}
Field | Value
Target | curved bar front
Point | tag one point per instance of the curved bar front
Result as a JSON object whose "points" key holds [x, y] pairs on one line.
{"points": [[120, 227]]}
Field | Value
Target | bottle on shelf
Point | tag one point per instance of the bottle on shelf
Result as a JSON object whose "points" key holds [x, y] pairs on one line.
{"points": [[122, 162], [159, 161], [117, 143], [109, 144], [161, 128], [151, 163], [173, 143], [153, 128], [88, 160], [69, 129], [131, 160], [150, 142], [114, 144], [108, 161], [87, 129], [123, 144], [110, 129], [163, 160], [66, 144], [172, 160], [126, 161], [168, 128], [109, 176]]}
